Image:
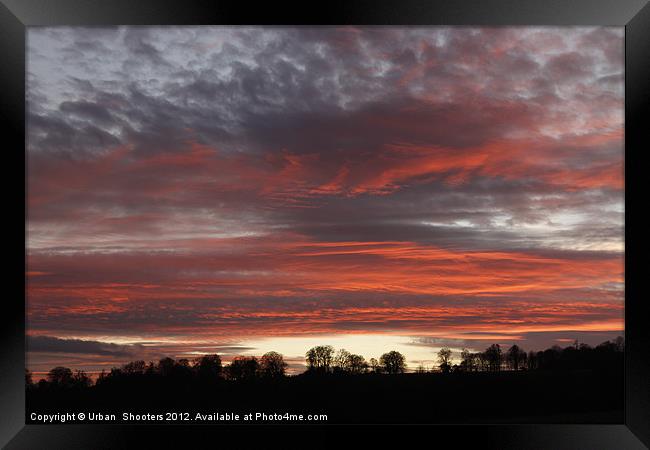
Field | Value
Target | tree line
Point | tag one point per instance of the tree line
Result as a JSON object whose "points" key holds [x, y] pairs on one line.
{"points": [[324, 359], [576, 356]]}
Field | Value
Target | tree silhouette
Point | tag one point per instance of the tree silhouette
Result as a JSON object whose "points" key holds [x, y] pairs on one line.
{"points": [[346, 362], [483, 361], [81, 380], [531, 360], [60, 377], [468, 361], [208, 367], [444, 359], [134, 368], [568, 380], [342, 360], [516, 357], [319, 358], [166, 366], [243, 368], [357, 364], [101, 378], [549, 358], [493, 357], [132, 377], [272, 365], [393, 362]]}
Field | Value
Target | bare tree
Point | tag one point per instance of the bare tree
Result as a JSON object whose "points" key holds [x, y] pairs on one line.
{"points": [[319, 358], [444, 359], [357, 364], [483, 363], [342, 360], [134, 368], [393, 362], [272, 365], [494, 357], [81, 380], [347, 362], [516, 356], [468, 361]]}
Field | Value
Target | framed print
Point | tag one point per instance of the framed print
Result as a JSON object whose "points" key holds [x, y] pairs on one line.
{"points": [[264, 219]]}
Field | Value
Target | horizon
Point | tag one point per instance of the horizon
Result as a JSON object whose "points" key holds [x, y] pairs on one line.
{"points": [[237, 190], [298, 365]]}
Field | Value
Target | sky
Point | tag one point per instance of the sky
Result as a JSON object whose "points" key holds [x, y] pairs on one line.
{"points": [[237, 190]]}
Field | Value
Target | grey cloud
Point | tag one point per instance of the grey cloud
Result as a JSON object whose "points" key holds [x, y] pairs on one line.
{"points": [[569, 65], [88, 110], [49, 344], [288, 87], [61, 137]]}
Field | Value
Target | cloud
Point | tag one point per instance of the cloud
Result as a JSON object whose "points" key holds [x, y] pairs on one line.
{"points": [[49, 344]]}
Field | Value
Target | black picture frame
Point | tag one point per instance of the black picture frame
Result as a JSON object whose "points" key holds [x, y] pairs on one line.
{"points": [[16, 15]]}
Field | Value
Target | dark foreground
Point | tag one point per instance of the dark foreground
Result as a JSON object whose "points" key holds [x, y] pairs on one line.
{"points": [[569, 396]]}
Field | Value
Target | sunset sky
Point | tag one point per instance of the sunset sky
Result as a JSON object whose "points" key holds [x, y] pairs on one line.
{"points": [[237, 190]]}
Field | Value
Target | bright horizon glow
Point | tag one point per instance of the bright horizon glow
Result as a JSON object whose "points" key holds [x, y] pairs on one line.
{"points": [[367, 345]]}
